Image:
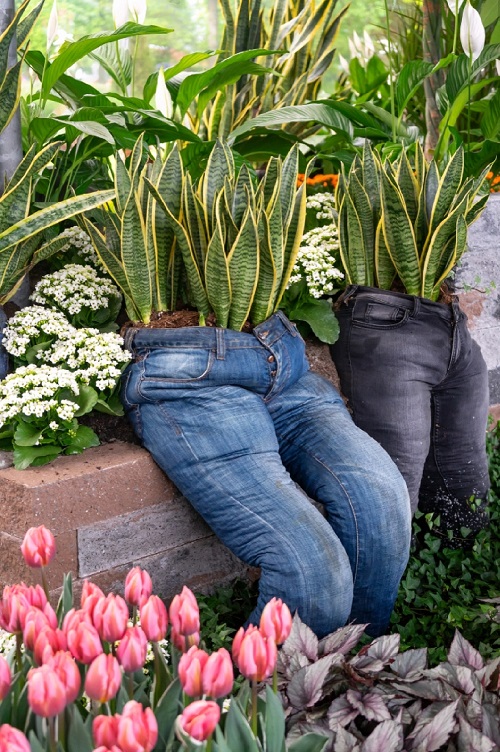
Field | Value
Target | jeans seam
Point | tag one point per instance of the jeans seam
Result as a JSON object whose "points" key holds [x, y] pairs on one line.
{"points": [[434, 443]]}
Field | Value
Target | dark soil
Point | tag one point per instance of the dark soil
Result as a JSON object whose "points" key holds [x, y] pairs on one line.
{"points": [[110, 427]]}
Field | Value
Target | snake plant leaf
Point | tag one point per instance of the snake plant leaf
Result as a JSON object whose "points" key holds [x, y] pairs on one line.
{"points": [[32, 164], [194, 274], [217, 277], [10, 91], [289, 176], [112, 264], [243, 261], [448, 186], [6, 38], [364, 214], [112, 225], [294, 233], [344, 238], [399, 235], [193, 218], [243, 181], [421, 222], [135, 258], [271, 178], [477, 207], [370, 170], [458, 249], [431, 188], [25, 26], [446, 229], [420, 163], [51, 215], [241, 31], [357, 252], [137, 160], [267, 285], [218, 167], [13, 266], [408, 185], [310, 30], [15, 204], [278, 33], [123, 185], [385, 271]]}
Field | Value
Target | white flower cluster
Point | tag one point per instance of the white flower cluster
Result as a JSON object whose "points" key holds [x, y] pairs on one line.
{"points": [[28, 326], [33, 390], [73, 288], [94, 358], [316, 261], [81, 242], [323, 204], [7, 642]]}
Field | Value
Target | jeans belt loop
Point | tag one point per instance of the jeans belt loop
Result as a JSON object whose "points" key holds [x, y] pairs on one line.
{"points": [[416, 307], [347, 295], [455, 307], [287, 323], [128, 338], [220, 343]]}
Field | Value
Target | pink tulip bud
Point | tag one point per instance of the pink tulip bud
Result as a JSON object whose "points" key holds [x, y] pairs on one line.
{"points": [[84, 642], [105, 730], [200, 719], [48, 642], [137, 728], [184, 613], [13, 607], [110, 617], [184, 643], [218, 674], [154, 620], [46, 692], [35, 595], [138, 587], [13, 740], [238, 638], [38, 547], [67, 671], [103, 678], [132, 650], [34, 621], [5, 678], [89, 589], [113, 748], [276, 621], [257, 656], [191, 667]]}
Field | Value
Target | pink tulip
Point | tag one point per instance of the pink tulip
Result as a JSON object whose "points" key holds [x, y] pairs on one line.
{"points": [[184, 643], [113, 748], [13, 740], [218, 674], [89, 589], [105, 730], [138, 587], [154, 620], [46, 692], [238, 638], [110, 617], [132, 650], [103, 678], [5, 678], [137, 728], [257, 656], [276, 621], [48, 642], [34, 621], [75, 617], [34, 594], [184, 613], [200, 719], [38, 547], [13, 607], [84, 642], [67, 671], [191, 667]]}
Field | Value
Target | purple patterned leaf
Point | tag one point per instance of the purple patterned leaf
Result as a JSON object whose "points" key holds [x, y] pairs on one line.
{"points": [[491, 669], [462, 653], [370, 705], [491, 727], [366, 663], [431, 736], [342, 640], [346, 742], [459, 677], [384, 648], [427, 690], [385, 738], [410, 663], [472, 740], [341, 712], [301, 640], [306, 686]]}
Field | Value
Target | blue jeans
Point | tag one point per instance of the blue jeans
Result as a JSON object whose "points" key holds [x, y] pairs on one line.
{"points": [[249, 435], [416, 381]]}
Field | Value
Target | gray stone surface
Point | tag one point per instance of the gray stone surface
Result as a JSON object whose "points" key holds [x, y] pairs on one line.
{"points": [[478, 284]]}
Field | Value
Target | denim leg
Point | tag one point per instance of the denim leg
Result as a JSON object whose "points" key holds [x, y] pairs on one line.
{"points": [[364, 495], [219, 447]]}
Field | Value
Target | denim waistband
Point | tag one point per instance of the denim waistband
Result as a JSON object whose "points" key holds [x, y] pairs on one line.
{"points": [[215, 338], [414, 303]]}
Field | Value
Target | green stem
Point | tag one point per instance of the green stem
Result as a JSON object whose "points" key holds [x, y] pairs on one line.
{"points": [[134, 616], [120, 67], [391, 71], [52, 735], [455, 33], [19, 655], [254, 708], [469, 84], [130, 686], [275, 681], [45, 583], [134, 63], [209, 744]]}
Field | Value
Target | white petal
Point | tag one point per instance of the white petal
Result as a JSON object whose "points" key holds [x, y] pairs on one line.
{"points": [[138, 9], [472, 33], [120, 12], [369, 46], [352, 48], [53, 26], [455, 5], [344, 64], [163, 100], [497, 63], [357, 42]]}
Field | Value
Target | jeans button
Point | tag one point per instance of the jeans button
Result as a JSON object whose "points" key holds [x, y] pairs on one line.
{"points": [[271, 359]]}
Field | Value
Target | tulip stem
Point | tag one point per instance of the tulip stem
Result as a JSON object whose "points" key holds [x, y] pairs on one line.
{"points": [[254, 708], [19, 655], [52, 735], [275, 680], [134, 616], [130, 683], [45, 583], [209, 744]]}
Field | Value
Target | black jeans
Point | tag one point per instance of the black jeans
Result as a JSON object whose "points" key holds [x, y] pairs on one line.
{"points": [[417, 383]]}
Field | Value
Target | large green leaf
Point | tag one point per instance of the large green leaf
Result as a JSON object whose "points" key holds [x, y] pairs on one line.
{"points": [[186, 62], [26, 24], [317, 113], [71, 52], [490, 122]]}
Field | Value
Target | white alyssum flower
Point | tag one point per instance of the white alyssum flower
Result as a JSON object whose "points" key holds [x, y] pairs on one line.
{"points": [[34, 324], [94, 358], [34, 391], [74, 288], [316, 261], [81, 242], [323, 204]]}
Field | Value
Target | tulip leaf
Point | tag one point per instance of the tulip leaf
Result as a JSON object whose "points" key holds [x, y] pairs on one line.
{"points": [[166, 711], [310, 742], [79, 735], [238, 733], [275, 722]]}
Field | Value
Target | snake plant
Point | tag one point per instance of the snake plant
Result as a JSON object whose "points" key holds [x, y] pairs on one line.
{"points": [[404, 223], [225, 245]]}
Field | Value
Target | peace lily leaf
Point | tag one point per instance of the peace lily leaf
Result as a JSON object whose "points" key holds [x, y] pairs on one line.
{"points": [[70, 53], [409, 79], [318, 113]]}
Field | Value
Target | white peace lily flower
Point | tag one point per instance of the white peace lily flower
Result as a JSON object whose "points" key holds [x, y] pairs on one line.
{"points": [[163, 100], [369, 46], [120, 12], [138, 8], [455, 5], [472, 32], [344, 64], [497, 64], [53, 26]]}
